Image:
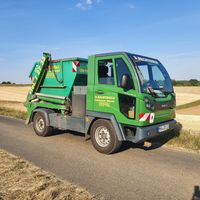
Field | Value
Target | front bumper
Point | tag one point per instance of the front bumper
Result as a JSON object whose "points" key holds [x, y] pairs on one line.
{"points": [[145, 133]]}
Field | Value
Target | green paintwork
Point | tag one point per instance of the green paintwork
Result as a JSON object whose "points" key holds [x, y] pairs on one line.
{"points": [[61, 82], [102, 103], [52, 100], [55, 79], [60, 75]]}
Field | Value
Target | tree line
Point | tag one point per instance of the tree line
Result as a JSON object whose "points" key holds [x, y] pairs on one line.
{"points": [[7, 82], [191, 82]]}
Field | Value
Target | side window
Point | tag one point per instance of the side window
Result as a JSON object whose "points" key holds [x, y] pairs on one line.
{"points": [[121, 69], [105, 72], [145, 72]]}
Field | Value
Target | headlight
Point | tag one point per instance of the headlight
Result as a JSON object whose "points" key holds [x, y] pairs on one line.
{"points": [[148, 104]]}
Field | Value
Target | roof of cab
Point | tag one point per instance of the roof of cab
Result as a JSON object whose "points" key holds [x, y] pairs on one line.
{"points": [[124, 53]]}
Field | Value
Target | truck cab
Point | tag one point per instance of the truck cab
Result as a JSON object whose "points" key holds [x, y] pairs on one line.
{"points": [[113, 97]]}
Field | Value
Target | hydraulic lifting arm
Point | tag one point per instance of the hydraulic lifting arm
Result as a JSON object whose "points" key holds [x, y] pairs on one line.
{"points": [[37, 74]]}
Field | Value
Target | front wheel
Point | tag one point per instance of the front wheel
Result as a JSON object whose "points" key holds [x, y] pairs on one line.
{"points": [[39, 125], [104, 138]]}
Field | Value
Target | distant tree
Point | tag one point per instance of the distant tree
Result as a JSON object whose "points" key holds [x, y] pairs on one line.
{"points": [[194, 82], [6, 82], [174, 82], [191, 82]]}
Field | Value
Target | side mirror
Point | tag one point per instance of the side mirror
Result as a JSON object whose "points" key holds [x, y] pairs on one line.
{"points": [[126, 82]]}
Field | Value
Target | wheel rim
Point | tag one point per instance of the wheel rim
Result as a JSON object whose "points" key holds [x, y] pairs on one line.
{"points": [[40, 124], [102, 136]]}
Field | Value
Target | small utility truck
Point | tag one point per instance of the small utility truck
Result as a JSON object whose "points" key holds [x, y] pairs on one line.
{"points": [[111, 98]]}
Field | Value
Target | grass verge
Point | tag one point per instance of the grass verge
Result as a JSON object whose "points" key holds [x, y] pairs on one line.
{"points": [[179, 139], [188, 105], [21, 180], [10, 112], [186, 140]]}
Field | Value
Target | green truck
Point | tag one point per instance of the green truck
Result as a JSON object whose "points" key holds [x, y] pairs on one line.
{"points": [[111, 98]]}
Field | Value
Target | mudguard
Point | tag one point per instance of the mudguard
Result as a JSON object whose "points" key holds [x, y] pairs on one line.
{"points": [[46, 113], [94, 115]]}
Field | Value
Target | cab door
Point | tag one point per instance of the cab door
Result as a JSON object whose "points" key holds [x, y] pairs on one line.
{"points": [[109, 96], [105, 96], [127, 97]]}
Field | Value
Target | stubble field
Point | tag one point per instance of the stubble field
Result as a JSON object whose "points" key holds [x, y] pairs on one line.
{"points": [[22, 180], [14, 96]]}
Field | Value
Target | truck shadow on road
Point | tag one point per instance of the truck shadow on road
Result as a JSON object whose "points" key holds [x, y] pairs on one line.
{"points": [[57, 132], [155, 142]]}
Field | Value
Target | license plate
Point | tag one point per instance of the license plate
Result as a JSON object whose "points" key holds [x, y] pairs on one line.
{"points": [[163, 128]]}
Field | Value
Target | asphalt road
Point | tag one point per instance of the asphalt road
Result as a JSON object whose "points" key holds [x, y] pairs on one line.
{"points": [[134, 173]]}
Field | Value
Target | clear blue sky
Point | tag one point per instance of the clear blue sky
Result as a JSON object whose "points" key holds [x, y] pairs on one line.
{"points": [[168, 30]]}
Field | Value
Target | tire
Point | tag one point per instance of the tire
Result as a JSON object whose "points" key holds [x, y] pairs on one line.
{"points": [[103, 137], [39, 125]]}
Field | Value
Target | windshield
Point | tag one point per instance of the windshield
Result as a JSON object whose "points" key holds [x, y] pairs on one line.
{"points": [[153, 76]]}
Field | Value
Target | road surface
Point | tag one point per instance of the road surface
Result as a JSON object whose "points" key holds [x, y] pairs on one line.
{"points": [[134, 173]]}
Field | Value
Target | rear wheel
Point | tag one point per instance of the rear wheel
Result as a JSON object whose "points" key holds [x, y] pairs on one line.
{"points": [[104, 138], [39, 125]]}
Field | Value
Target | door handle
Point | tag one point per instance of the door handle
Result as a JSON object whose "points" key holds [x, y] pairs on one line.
{"points": [[99, 92]]}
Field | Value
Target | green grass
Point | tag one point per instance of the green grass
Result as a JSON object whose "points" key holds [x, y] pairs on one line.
{"points": [[179, 138], [186, 140], [10, 112], [188, 105]]}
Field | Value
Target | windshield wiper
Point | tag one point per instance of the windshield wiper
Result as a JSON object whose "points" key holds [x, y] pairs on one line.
{"points": [[160, 93], [152, 92], [163, 91]]}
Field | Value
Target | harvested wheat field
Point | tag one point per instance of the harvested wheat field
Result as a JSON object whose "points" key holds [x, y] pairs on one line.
{"points": [[187, 94], [21, 180], [190, 111], [18, 93], [14, 96], [13, 93], [13, 104], [189, 122]]}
